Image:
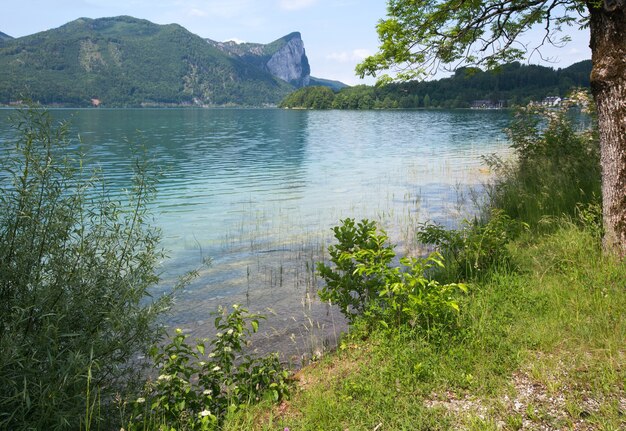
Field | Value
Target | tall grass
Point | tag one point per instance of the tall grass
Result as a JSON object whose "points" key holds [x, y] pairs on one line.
{"points": [[556, 166]]}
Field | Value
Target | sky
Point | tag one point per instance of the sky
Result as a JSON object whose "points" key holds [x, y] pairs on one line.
{"points": [[337, 34]]}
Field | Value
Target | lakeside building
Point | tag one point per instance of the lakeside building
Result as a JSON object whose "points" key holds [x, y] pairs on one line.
{"points": [[488, 104]]}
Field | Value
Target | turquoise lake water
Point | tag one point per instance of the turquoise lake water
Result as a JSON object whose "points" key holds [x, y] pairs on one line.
{"points": [[258, 190]]}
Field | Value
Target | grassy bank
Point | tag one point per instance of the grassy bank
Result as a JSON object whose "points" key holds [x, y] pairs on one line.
{"points": [[541, 347]]}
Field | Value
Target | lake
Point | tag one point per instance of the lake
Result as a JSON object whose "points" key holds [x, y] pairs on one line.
{"points": [[258, 190]]}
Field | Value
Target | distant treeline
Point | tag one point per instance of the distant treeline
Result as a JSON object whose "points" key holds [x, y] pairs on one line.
{"points": [[512, 84]]}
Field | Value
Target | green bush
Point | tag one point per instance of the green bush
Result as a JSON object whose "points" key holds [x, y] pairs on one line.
{"points": [[555, 173], [366, 285], [76, 269], [474, 249], [410, 297], [354, 291], [557, 165], [195, 388]]}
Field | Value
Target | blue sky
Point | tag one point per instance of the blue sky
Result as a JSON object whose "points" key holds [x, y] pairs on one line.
{"points": [[337, 34]]}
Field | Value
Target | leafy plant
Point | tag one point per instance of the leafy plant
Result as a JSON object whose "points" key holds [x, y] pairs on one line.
{"points": [[590, 217], [195, 388], [476, 247], [409, 296], [354, 291], [76, 269], [366, 285]]}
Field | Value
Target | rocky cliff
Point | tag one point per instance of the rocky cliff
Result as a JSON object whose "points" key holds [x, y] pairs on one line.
{"points": [[290, 63], [285, 58]]}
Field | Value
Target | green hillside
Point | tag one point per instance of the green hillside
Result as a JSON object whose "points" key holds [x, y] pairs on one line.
{"points": [[4, 36], [333, 85], [512, 84], [124, 61]]}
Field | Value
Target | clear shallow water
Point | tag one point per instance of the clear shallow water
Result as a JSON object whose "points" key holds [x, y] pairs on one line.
{"points": [[257, 191]]}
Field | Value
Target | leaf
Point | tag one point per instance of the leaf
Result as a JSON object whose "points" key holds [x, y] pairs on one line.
{"points": [[200, 348], [255, 325]]}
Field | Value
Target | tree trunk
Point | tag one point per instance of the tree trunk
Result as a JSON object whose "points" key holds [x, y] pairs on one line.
{"points": [[608, 86]]}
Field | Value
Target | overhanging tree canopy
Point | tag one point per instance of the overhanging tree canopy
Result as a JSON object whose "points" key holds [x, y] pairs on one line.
{"points": [[419, 36]]}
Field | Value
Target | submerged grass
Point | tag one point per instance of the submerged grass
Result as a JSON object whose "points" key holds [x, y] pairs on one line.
{"points": [[542, 348]]}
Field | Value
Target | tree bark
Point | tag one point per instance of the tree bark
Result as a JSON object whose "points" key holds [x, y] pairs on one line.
{"points": [[608, 86]]}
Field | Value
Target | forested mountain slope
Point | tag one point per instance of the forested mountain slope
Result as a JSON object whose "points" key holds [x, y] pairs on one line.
{"points": [[512, 84], [124, 61]]}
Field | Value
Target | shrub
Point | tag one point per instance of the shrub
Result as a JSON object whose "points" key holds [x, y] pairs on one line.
{"points": [[354, 291], [557, 163], [474, 249], [410, 297], [366, 285], [195, 388], [77, 267]]}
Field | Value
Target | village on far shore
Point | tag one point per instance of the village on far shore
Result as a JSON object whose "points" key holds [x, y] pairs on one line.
{"points": [[550, 102]]}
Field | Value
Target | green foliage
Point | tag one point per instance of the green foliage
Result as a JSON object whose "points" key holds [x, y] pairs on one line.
{"points": [[556, 173], [198, 384], [77, 267], [309, 98], [514, 83], [365, 285], [476, 248], [557, 165], [124, 61], [409, 296], [417, 37], [352, 290]]}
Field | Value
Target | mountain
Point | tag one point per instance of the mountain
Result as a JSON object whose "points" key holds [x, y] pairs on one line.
{"points": [[333, 85], [511, 84], [4, 36], [125, 61], [284, 58]]}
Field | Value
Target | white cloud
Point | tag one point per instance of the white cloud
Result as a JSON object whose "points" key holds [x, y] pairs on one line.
{"points": [[349, 57], [296, 4], [226, 9], [361, 54], [197, 12], [234, 39], [341, 57]]}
